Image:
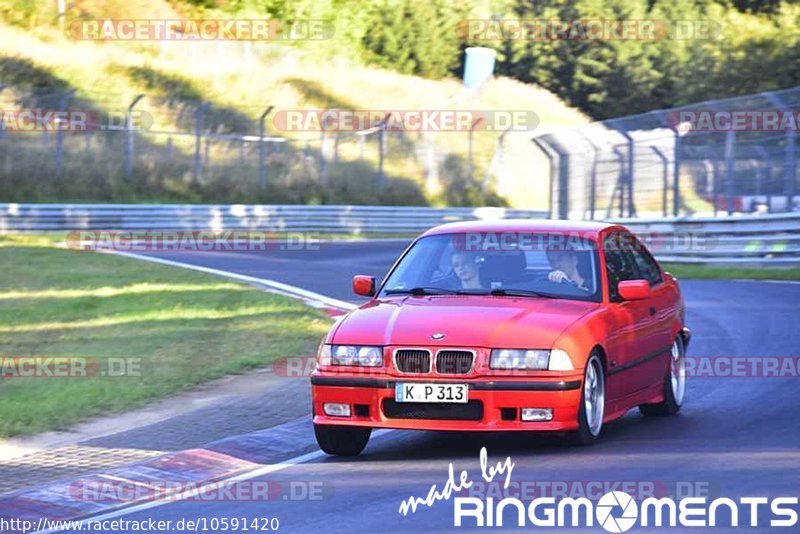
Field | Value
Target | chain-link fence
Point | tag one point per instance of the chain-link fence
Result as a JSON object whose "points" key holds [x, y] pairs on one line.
{"points": [[722, 156], [146, 147]]}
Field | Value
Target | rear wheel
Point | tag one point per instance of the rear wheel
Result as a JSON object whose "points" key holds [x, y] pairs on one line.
{"points": [[593, 402], [674, 383], [342, 440]]}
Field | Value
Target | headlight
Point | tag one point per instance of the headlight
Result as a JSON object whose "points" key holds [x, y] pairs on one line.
{"points": [[351, 355], [531, 360]]}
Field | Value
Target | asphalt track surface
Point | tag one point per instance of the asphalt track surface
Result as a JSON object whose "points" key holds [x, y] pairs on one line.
{"points": [[734, 437]]}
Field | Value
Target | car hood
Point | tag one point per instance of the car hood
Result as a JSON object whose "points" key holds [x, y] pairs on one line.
{"points": [[465, 320]]}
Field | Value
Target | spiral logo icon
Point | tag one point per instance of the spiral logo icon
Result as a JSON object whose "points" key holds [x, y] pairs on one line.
{"points": [[616, 511]]}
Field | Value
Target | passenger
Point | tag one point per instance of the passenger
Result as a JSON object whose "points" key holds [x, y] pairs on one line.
{"points": [[467, 270]]}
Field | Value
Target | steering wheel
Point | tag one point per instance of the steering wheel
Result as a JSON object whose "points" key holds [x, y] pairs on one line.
{"points": [[545, 278]]}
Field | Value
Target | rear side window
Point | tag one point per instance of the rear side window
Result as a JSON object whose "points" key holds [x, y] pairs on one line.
{"points": [[620, 263], [648, 268]]}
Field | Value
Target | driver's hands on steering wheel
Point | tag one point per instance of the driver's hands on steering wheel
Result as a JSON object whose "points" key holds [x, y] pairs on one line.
{"points": [[558, 277]]}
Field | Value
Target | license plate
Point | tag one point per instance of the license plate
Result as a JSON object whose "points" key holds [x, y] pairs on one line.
{"points": [[420, 392]]}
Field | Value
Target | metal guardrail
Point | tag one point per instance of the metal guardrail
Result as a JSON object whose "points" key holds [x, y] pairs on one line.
{"points": [[772, 239], [270, 218]]}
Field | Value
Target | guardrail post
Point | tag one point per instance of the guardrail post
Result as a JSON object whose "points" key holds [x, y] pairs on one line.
{"points": [[198, 134], [730, 146], [262, 156], [129, 132], [62, 107]]}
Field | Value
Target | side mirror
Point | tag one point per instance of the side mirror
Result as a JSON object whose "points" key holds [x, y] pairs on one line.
{"points": [[364, 285], [634, 289]]}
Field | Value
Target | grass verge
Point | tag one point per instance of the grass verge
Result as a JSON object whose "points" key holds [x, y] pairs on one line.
{"points": [[727, 272], [183, 328]]}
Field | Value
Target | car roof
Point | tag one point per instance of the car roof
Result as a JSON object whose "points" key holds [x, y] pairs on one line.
{"points": [[589, 229]]}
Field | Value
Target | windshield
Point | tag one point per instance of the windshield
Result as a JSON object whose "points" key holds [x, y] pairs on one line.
{"points": [[508, 263]]}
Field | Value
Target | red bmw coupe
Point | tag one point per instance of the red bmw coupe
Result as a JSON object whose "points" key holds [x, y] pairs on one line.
{"points": [[515, 325]]}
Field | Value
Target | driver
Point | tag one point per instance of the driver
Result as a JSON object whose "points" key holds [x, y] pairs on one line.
{"points": [[564, 261], [467, 270]]}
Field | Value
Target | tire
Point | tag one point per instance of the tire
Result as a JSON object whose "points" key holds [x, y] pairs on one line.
{"points": [[590, 414], [342, 440], [674, 384]]}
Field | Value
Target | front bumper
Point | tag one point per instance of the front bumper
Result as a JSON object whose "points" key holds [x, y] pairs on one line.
{"points": [[372, 404]]}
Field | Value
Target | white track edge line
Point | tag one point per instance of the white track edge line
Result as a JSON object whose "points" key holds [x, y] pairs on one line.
{"points": [[290, 290]]}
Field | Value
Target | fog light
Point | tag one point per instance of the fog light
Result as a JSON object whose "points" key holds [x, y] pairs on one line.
{"points": [[336, 409], [537, 414]]}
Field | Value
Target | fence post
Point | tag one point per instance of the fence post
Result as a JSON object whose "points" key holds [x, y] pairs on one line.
{"points": [[335, 148], [620, 187], [129, 132], [207, 154], [323, 161], [499, 156], [593, 175], [62, 107], [381, 152], [469, 147], [664, 177], [628, 176], [381, 148], [730, 147], [2, 126], [552, 155], [262, 156], [762, 188], [676, 175], [790, 168], [789, 159], [198, 134]]}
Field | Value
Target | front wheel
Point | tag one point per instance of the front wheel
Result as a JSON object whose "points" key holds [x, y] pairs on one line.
{"points": [[674, 383], [342, 440], [593, 402]]}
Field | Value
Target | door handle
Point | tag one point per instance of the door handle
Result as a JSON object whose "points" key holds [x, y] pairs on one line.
{"points": [[652, 310]]}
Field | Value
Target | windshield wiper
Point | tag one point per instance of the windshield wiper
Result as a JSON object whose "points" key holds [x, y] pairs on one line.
{"points": [[420, 291], [511, 292]]}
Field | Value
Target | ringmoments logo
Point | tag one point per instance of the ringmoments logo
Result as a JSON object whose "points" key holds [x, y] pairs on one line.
{"points": [[609, 504], [615, 511]]}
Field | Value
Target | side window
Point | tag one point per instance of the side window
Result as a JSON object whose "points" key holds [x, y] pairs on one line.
{"points": [[648, 268], [620, 264]]}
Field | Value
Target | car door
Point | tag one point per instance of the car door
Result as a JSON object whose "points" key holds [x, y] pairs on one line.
{"points": [[663, 304], [633, 336]]}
